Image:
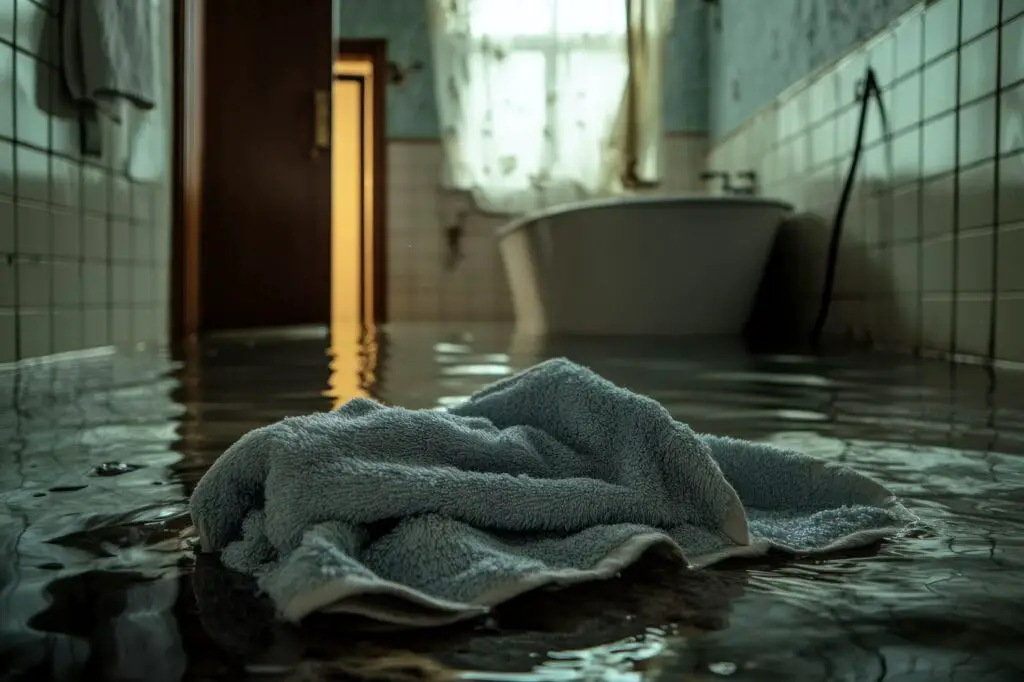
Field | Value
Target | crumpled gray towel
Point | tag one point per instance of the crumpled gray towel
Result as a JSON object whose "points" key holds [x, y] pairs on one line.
{"points": [[550, 477]]}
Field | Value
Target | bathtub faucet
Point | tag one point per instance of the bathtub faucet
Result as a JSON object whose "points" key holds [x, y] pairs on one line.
{"points": [[749, 189], [722, 175]]}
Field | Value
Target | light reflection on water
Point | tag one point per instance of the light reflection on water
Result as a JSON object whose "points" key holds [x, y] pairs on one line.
{"points": [[613, 662], [101, 459]]}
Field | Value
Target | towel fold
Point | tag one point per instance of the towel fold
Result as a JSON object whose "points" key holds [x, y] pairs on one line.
{"points": [[551, 477], [108, 53]]}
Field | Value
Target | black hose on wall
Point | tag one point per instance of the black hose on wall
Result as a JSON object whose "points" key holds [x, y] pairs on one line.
{"points": [[869, 90]]}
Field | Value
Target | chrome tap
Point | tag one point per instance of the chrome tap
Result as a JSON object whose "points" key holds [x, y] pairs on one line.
{"points": [[750, 189], [722, 175]]}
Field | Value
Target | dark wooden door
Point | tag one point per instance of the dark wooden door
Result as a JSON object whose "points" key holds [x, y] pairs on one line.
{"points": [[265, 243]]}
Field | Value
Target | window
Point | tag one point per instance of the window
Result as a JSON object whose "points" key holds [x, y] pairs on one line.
{"points": [[535, 90]]}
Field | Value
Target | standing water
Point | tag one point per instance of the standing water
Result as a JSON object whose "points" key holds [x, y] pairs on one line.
{"points": [[99, 458]]}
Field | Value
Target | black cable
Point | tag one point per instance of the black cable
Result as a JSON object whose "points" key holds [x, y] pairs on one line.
{"points": [[870, 89]]}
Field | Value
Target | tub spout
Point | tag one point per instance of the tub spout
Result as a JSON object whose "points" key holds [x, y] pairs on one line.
{"points": [[750, 189], [722, 175]]}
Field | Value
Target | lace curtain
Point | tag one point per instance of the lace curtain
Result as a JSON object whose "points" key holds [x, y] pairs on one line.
{"points": [[547, 101]]}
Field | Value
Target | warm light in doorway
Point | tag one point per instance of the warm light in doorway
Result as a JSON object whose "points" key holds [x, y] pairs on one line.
{"points": [[352, 191]]}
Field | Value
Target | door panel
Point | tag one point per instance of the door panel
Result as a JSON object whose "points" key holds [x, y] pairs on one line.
{"points": [[266, 237]]}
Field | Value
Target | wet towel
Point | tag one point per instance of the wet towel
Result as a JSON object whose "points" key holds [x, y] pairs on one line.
{"points": [[108, 53], [550, 477]]}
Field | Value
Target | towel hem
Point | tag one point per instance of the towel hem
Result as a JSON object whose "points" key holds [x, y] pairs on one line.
{"points": [[329, 597], [446, 611]]}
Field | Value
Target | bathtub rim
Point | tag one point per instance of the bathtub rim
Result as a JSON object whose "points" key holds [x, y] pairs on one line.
{"points": [[607, 202]]}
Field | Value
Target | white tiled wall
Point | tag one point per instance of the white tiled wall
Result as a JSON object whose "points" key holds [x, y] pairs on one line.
{"points": [[934, 233], [83, 251], [420, 285]]}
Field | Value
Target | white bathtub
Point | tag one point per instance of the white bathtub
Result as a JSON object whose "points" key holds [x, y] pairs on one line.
{"points": [[640, 265]]}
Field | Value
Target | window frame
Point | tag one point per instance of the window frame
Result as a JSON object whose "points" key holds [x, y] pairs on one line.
{"points": [[478, 45]]}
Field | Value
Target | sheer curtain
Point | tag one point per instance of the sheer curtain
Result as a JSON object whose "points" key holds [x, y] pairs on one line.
{"points": [[538, 101]]}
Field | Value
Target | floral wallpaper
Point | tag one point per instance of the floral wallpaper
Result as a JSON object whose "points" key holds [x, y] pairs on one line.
{"points": [[758, 49]]}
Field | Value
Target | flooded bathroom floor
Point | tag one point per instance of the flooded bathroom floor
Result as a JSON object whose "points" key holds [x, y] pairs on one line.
{"points": [[99, 458]]}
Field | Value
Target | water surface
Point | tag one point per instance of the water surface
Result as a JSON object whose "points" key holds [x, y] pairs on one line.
{"points": [[99, 457]]}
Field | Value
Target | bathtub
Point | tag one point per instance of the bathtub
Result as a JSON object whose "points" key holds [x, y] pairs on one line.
{"points": [[640, 265]]}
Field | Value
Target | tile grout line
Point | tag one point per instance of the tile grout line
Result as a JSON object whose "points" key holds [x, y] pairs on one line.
{"points": [[920, 341], [52, 304], [110, 307], [993, 320], [18, 323], [80, 217], [954, 313]]}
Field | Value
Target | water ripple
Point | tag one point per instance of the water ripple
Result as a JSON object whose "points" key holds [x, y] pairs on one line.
{"points": [[101, 456]]}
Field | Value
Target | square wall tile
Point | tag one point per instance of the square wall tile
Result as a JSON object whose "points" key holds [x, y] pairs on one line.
{"points": [[68, 330], [939, 146], [34, 284], [906, 157], [977, 201], [941, 28], [8, 231], [938, 199], [1011, 188], [904, 103], [34, 333], [975, 262], [973, 325], [978, 78], [1012, 56], [978, 137], [906, 213], [939, 97], [849, 76], [882, 58], [32, 100], [937, 332], [906, 268], [978, 16], [1009, 341], [1011, 112], [937, 275], [7, 94], [909, 44], [1011, 9], [1011, 246], [33, 225], [823, 98], [8, 283], [8, 335]]}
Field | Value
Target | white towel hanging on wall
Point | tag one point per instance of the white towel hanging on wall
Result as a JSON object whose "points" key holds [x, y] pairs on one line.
{"points": [[147, 131]]}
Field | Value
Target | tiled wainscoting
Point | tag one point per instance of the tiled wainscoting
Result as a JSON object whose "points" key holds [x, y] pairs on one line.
{"points": [[83, 250], [934, 233], [421, 286]]}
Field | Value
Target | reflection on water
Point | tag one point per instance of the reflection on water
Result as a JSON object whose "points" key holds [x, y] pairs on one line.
{"points": [[100, 456]]}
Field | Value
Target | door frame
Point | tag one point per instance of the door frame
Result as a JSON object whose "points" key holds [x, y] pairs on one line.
{"points": [[187, 169], [375, 50]]}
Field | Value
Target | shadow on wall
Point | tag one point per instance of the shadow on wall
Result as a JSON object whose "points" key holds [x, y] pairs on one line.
{"points": [[892, 254], [790, 291]]}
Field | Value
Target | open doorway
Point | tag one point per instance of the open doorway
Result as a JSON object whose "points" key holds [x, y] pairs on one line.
{"points": [[358, 296], [253, 192]]}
